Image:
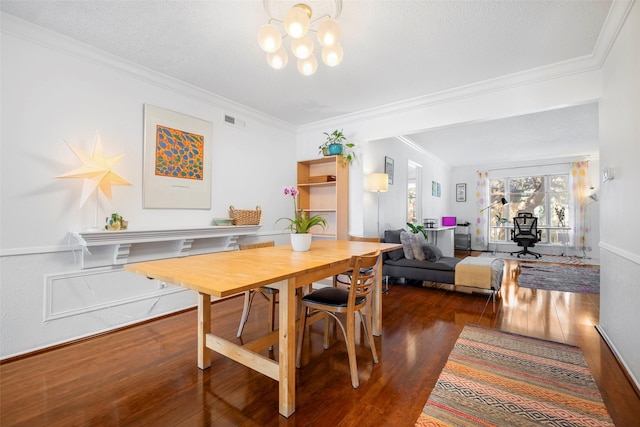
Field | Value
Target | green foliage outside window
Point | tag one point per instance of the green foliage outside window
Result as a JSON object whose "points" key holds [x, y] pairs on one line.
{"points": [[545, 196]]}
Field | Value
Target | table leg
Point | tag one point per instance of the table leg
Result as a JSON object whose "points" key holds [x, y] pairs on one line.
{"points": [[376, 305], [287, 350], [204, 327]]}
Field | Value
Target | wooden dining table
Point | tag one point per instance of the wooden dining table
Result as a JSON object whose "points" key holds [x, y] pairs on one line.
{"points": [[223, 274]]}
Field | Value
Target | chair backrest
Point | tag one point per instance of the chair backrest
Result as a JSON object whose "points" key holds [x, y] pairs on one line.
{"points": [[243, 246], [525, 226], [363, 278], [363, 239]]}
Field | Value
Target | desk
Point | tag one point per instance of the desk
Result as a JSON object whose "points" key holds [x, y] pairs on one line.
{"points": [[443, 238], [227, 273]]}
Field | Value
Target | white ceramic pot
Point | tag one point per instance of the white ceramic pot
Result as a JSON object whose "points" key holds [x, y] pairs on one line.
{"points": [[301, 242]]}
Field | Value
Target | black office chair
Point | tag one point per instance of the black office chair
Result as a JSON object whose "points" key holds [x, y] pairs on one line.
{"points": [[525, 232]]}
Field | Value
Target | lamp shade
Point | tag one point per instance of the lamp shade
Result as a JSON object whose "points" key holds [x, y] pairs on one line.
{"points": [[269, 38], [278, 59], [296, 22], [332, 55], [302, 48], [308, 66], [329, 32], [378, 182]]}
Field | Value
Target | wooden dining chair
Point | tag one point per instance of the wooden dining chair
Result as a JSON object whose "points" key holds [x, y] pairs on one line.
{"points": [[339, 279], [345, 278], [331, 301], [270, 294]]}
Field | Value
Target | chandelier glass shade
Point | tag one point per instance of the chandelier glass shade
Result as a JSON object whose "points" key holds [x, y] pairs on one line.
{"points": [[296, 21]]}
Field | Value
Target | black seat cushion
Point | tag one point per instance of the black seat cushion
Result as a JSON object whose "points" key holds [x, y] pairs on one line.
{"points": [[334, 297], [443, 264]]}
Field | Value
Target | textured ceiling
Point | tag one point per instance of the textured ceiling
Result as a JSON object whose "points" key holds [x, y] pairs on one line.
{"points": [[394, 49]]}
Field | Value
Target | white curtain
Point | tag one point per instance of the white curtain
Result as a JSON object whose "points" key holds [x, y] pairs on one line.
{"points": [[579, 179], [482, 184]]}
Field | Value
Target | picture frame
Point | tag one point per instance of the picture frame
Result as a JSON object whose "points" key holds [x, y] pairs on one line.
{"points": [[177, 160], [388, 168], [461, 192]]}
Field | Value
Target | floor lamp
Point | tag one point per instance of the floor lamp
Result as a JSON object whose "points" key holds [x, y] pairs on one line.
{"points": [[378, 183], [504, 202]]}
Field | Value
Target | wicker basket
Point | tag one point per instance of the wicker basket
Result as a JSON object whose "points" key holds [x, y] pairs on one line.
{"points": [[245, 216]]}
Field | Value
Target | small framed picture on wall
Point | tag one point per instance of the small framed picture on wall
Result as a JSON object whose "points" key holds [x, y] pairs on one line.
{"points": [[388, 168], [461, 192]]}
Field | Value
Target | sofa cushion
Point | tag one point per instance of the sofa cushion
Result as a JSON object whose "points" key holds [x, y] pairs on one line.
{"points": [[417, 240], [393, 236], [405, 239], [445, 263], [431, 252]]}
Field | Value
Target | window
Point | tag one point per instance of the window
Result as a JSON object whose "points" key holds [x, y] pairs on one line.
{"points": [[545, 196], [414, 204]]}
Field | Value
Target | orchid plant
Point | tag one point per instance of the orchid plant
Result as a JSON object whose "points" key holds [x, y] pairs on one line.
{"points": [[301, 222]]}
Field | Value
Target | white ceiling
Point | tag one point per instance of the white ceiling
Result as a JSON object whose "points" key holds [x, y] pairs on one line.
{"points": [[566, 132], [394, 50]]}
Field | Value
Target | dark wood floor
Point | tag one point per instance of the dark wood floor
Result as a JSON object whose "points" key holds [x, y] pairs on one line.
{"points": [[147, 374]]}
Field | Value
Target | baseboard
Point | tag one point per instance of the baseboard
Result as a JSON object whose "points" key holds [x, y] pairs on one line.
{"points": [[627, 372]]}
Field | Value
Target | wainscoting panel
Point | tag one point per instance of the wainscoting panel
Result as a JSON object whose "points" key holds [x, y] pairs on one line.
{"points": [[75, 293]]}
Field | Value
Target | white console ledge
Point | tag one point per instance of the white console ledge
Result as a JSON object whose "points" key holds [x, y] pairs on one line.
{"points": [[101, 248]]}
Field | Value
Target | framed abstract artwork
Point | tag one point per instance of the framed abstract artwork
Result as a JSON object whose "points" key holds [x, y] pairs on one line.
{"points": [[177, 160]]}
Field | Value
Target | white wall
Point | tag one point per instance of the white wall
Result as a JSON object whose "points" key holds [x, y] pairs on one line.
{"points": [[55, 89], [393, 204], [620, 150]]}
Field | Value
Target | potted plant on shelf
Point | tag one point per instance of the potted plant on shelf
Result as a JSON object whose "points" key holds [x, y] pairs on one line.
{"points": [[336, 144], [116, 222], [301, 223]]}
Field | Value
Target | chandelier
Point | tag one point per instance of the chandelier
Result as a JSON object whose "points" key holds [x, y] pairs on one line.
{"points": [[297, 23]]}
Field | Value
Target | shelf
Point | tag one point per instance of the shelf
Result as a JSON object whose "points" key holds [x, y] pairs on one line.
{"points": [[330, 198], [324, 236], [317, 184], [103, 248]]}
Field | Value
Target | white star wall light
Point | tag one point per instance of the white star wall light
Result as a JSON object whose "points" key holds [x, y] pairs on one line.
{"points": [[96, 170]]}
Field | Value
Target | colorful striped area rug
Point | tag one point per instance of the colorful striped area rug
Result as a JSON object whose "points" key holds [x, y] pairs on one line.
{"points": [[495, 378]]}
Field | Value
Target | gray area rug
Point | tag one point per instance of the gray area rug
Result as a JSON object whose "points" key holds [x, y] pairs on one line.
{"points": [[559, 278], [557, 259]]}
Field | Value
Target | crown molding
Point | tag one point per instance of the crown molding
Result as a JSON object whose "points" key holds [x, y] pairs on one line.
{"points": [[46, 38], [613, 23]]}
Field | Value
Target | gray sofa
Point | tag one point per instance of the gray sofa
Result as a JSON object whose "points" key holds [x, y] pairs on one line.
{"points": [[395, 264]]}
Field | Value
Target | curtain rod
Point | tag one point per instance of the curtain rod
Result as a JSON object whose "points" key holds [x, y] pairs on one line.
{"points": [[531, 166]]}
